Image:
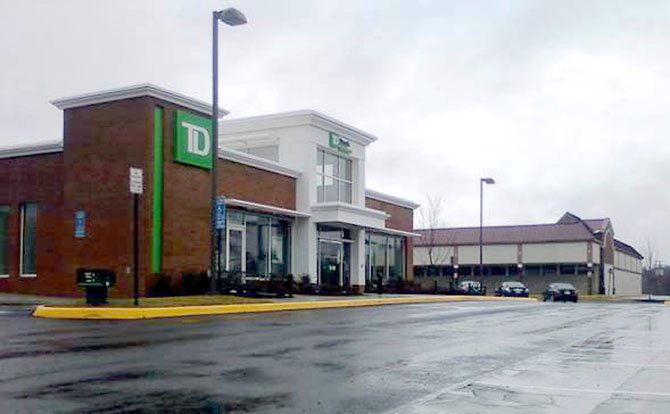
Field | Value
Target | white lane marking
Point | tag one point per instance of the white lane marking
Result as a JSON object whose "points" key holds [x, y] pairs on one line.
{"points": [[572, 390], [607, 363]]}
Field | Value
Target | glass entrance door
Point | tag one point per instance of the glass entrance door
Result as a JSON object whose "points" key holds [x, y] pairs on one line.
{"points": [[235, 248], [330, 263]]}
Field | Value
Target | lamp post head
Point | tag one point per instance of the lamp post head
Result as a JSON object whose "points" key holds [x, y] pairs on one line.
{"points": [[488, 180], [232, 17]]}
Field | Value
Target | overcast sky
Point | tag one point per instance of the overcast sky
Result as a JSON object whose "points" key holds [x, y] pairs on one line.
{"points": [[564, 103]]}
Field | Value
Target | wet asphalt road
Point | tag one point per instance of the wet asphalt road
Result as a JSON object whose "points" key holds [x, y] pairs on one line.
{"points": [[457, 357]]}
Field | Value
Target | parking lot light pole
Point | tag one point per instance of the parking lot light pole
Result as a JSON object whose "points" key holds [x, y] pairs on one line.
{"points": [[231, 17], [482, 181]]}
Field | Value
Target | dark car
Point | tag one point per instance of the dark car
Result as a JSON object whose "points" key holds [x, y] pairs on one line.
{"points": [[471, 287], [515, 289], [564, 292]]}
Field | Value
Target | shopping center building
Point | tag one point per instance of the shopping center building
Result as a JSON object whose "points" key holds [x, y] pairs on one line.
{"points": [[294, 188], [582, 252]]}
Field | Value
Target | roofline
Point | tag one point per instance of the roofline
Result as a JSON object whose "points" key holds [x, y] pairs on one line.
{"points": [[637, 254], [302, 117], [136, 91], [402, 202], [47, 147], [485, 243], [257, 162], [495, 227]]}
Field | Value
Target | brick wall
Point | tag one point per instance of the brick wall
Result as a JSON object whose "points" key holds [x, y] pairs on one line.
{"points": [[39, 179]]}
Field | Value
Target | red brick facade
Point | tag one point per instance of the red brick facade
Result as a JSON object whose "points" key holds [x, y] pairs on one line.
{"points": [[101, 142]]}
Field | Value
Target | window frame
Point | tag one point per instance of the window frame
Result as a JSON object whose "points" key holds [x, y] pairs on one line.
{"points": [[7, 210], [339, 180], [22, 215]]}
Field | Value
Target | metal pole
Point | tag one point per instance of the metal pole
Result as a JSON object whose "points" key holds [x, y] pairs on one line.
{"points": [[136, 249], [481, 220], [215, 141]]}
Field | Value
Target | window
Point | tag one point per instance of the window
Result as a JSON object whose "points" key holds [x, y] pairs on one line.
{"points": [[28, 239], [385, 257], [567, 269], [267, 243], [4, 241], [498, 270], [549, 269], [532, 270], [333, 178]]}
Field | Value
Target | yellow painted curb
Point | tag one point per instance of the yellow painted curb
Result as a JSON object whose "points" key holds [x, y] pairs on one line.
{"points": [[178, 311]]}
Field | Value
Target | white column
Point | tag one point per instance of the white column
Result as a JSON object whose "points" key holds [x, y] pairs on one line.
{"points": [[358, 259]]}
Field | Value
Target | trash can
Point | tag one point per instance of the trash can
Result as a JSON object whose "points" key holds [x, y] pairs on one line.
{"points": [[97, 283]]}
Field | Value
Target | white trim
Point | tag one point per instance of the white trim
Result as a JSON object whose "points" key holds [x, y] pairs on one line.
{"points": [[22, 213], [391, 231], [136, 91], [4, 276], [402, 202], [28, 276], [364, 211], [49, 147], [257, 162], [298, 118], [266, 208]]}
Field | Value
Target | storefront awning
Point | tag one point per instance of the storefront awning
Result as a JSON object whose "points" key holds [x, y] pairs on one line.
{"points": [[394, 232], [265, 208]]}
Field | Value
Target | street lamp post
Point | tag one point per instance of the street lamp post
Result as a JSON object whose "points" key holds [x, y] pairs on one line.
{"points": [[482, 181], [231, 17]]}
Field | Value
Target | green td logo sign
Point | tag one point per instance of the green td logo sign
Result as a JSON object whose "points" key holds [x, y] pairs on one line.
{"points": [[337, 142], [193, 140]]}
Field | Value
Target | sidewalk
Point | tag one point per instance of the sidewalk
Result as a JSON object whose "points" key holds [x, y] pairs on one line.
{"points": [[251, 306], [15, 299]]}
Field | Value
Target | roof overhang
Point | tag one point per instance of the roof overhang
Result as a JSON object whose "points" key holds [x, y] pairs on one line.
{"points": [[376, 195], [35, 149], [136, 91], [348, 214], [265, 208]]}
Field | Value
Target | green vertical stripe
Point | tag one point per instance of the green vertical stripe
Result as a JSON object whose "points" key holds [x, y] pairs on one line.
{"points": [[157, 199]]}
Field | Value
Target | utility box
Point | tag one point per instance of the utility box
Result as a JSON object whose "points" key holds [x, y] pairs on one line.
{"points": [[97, 283]]}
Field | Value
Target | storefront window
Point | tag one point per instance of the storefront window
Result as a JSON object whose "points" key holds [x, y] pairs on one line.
{"points": [[266, 241], [28, 238], [385, 257], [333, 178], [280, 247], [4, 240]]}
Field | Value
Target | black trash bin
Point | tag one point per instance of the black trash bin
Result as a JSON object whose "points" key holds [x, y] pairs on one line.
{"points": [[97, 283]]}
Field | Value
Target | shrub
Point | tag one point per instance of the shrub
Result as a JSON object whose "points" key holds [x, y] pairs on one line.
{"points": [[195, 283]]}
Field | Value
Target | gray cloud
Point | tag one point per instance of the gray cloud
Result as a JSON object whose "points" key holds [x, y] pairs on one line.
{"points": [[563, 102]]}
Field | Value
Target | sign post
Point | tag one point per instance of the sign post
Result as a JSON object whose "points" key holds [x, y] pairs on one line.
{"points": [[219, 224], [136, 187]]}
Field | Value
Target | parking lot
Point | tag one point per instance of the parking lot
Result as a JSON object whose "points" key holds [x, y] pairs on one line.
{"points": [[455, 357]]}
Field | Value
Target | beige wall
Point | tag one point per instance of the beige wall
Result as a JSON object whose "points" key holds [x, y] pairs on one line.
{"points": [[627, 262], [626, 283], [492, 254], [574, 252]]}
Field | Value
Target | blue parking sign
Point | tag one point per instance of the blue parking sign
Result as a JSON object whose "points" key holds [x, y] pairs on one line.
{"points": [[80, 224], [220, 222]]}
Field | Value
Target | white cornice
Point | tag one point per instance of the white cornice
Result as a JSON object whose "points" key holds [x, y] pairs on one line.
{"points": [[364, 211], [257, 162], [391, 199], [36, 149], [136, 91], [299, 118]]}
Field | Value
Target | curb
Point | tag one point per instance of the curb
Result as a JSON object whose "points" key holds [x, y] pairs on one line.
{"points": [[54, 312]]}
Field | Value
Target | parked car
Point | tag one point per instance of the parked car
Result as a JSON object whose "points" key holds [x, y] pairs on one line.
{"points": [[511, 288], [471, 287], [560, 292]]}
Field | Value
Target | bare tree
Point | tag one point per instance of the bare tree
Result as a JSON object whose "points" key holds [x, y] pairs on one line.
{"points": [[649, 256], [430, 220]]}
